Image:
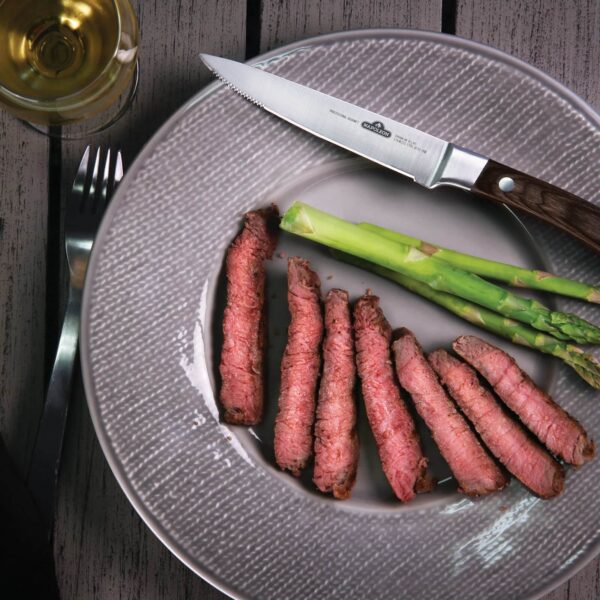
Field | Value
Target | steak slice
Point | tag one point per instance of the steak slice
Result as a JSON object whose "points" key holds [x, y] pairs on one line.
{"points": [[524, 457], [336, 439], [553, 426], [474, 469], [392, 425], [299, 369], [243, 353]]}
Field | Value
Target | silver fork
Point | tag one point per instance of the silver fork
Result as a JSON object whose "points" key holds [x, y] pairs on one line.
{"points": [[85, 208]]}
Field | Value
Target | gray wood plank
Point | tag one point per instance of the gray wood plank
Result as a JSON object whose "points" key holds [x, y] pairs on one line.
{"points": [[102, 548], [23, 212], [285, 21], [561, 38]]}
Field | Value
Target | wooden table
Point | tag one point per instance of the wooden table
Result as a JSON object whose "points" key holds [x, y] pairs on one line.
{"points": [[102, 548]]}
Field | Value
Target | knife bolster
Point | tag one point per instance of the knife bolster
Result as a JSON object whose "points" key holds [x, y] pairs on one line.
{"points": [[459, 167]]}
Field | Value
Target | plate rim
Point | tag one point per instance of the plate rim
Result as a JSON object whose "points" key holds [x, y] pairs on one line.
{"points": [[112, 459]]}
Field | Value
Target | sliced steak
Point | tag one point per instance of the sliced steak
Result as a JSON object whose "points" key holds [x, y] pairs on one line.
{"points": [[525, 458], [243, 353], [336, 439], [392, 425], [299, 369], [553, 426], [474, 469]]}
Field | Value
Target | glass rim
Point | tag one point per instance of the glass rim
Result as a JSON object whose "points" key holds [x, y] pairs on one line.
{"points": [[70, 100]]}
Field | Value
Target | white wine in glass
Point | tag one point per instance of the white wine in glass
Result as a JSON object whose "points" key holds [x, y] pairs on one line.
{"points": [[62, 61]]}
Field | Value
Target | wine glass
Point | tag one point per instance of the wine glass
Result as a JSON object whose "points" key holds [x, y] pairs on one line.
{"points": [[66, 61]]}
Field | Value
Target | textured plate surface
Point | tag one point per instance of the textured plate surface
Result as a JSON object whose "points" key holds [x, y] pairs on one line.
{"points": [[207, 491]]}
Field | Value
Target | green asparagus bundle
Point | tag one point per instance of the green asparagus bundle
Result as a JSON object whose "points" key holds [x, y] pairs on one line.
{"points": [[586, 366], [321, 227], [515, 276]]}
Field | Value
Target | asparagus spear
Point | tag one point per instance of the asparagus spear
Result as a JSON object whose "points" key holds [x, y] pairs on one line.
{"points": [[515, 276], [306, 221], [585, 365]]}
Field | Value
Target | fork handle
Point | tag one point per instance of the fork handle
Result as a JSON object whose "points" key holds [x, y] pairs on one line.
{"points": [[43, 471]]}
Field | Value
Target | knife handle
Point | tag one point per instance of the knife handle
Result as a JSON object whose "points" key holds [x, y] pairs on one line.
{"points": [[568, 212]]}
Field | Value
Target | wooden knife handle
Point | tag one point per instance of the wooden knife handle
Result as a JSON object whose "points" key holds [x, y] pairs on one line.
{"points": [[520, 191]]}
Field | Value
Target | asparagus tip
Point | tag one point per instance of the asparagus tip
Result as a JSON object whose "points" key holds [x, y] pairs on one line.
{"points": [[586, 366], [570, 326]]}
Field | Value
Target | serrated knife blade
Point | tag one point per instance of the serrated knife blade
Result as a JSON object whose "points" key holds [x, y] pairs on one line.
{"points": [[430, 161]]}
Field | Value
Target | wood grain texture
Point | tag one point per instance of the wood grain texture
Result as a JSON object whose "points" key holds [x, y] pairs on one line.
{"points": [[285, 21], [103, 550], [561, 38], [23, 212], [557, 207]]}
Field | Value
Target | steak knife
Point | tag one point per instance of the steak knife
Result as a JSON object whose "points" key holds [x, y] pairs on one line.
{"points": [[428, 160]]}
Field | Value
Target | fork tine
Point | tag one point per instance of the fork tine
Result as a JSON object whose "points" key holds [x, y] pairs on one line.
{"points": [[105, 181], [79, 182], [119, 168], [93, 184]]}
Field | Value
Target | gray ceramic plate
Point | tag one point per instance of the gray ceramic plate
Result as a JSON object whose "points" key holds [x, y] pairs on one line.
{"points": [[154, 299]]}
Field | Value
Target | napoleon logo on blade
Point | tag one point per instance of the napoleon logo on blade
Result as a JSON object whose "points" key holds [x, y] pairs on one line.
{"points": [[376, 127]]}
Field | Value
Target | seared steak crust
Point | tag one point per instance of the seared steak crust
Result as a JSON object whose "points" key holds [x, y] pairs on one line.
{"points": [[393, 427], [554, 427], [243, 352], [336, 439], [526, 459], [299, 369], [476, 472]]}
